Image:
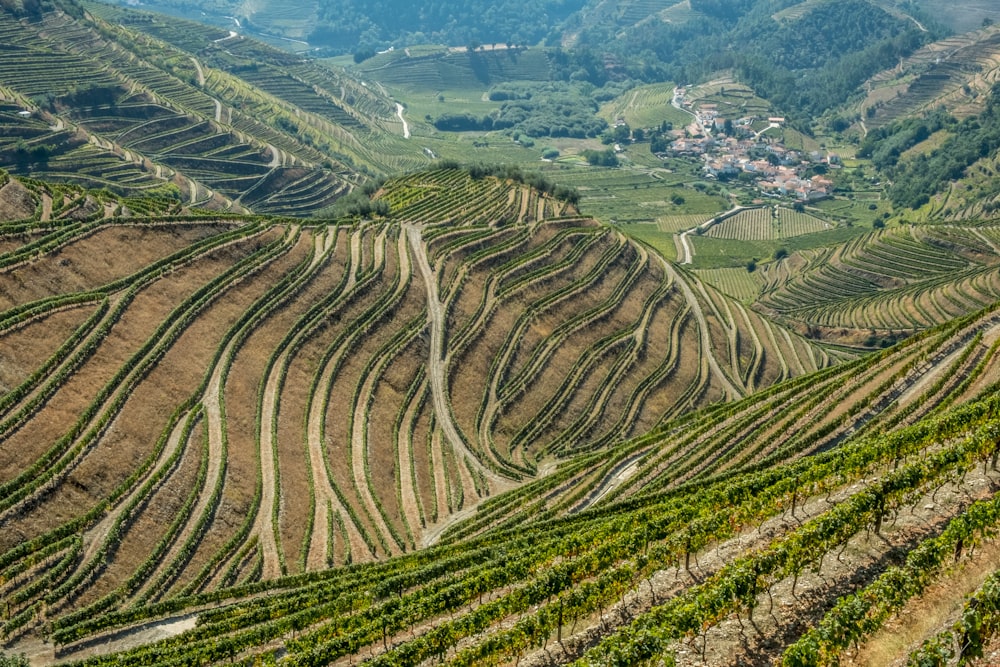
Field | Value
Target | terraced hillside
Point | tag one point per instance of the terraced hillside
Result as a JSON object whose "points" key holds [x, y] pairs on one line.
{"points": [[901, 279], [236, 400], [789, 526], [118, 99], [956, 73]]}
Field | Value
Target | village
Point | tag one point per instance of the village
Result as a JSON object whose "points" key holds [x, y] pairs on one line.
{"points": [[747, 149]]}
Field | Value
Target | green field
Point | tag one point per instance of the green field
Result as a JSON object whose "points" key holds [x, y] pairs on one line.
{"points": [[713, 253], [653, 236], [645, 106], [736, 282], [851, 211]]}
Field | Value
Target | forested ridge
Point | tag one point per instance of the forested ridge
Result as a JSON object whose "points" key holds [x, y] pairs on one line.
{"points": [[916, 179], [373, 22]]}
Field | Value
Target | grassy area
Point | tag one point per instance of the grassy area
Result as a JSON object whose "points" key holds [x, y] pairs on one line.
{"points": [[710, 253], [852, 211], [645, 106], [629, 195], [736, 282], [926, 146], [651, 235]]}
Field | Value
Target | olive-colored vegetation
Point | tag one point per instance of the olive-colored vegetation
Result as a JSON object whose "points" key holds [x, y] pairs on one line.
{"points": [[141, 106]]}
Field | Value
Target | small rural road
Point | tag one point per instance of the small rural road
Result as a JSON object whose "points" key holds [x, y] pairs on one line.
{"points": [[326, 496], [211, 402], [434, 534], [706, 339], [201, 72], [436, 362], [46, 207], [676, 103], [266, 523], [621, 472], [365, 397], [406, 126], [688, 252], [276, 156]]}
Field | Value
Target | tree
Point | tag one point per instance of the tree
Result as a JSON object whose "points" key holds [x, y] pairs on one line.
{"points": [[605, 158]]}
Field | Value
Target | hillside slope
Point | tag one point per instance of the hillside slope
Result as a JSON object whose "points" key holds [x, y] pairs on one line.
{"points": [[241, 399], [402, 370], [198, 114]]}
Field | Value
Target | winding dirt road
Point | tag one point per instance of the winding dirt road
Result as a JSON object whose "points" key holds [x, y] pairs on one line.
{"points": [[201, 72], [436, 366], [265, 526], [323, 485], [706, 340], [406, 126]]}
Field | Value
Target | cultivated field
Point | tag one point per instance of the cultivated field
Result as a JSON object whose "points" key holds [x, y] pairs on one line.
{"points": [[753, 531], [903, 279], [767, 224], [147, 107], [956, 73], [234, 401]]}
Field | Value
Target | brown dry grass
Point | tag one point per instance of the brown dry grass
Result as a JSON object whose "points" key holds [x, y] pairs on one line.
{"points": [[27, 347], [108, 254], [928, 614], [148, 309], [142, 419], [16, 202], [293, 463], [241, 402]]}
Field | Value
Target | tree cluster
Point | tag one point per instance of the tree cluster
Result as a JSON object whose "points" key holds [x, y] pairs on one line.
{"points": [[356, 26], [915, 180], [542, 110]]}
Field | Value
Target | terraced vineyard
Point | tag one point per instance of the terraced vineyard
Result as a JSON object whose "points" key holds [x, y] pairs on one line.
{"points": [[903, 279], [447, 69], [238, 400], [767, 223], [400, 372], [956, 73], [141, 106]]}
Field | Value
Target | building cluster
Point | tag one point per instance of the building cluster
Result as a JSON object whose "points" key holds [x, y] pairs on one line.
{"points": [[744, 146]]}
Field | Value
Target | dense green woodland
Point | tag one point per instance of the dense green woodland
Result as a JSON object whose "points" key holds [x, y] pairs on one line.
{"points": [[540, 110], [805, 66], [371, 22], [916, 179]]}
